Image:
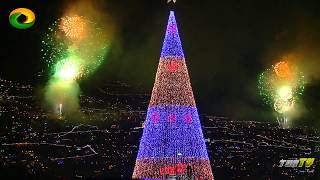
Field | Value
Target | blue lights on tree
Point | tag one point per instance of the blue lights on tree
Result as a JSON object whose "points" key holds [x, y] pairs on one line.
{"points": [[172, 138]]}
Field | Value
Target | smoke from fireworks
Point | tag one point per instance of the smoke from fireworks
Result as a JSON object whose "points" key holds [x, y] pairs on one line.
{"points": [[62, 93], [73, 48]]}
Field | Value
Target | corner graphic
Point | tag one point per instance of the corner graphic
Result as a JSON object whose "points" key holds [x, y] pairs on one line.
{"points": [[301, 162], [15, 14]]}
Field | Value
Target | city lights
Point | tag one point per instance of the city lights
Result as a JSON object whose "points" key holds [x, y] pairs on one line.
{"points": [[160, 90]]}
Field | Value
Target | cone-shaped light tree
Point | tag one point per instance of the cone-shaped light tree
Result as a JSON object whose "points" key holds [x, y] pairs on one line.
{"points": [[172, 142]]}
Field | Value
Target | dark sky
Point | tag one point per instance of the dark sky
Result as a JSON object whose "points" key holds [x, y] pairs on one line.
{"points": [[227, 44]]}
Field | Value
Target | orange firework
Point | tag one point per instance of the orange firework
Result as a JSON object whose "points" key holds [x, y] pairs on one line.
{"points": [[282, 70], [74, 27]]}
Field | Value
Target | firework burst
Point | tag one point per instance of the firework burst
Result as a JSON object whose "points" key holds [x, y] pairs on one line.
{"points": [[281, 86], [73, 48], [282, 70], [67, 69], [74, 36], [74, 27]]}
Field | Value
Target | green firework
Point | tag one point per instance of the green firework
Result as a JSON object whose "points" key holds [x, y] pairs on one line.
{"points": [[89, 50], [274, 90]]}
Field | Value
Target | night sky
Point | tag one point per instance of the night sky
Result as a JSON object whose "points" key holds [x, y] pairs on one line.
{"points": [[226, 43]]}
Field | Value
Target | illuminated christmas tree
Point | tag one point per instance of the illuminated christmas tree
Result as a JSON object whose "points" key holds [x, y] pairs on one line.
{"points": [[172, 142]]}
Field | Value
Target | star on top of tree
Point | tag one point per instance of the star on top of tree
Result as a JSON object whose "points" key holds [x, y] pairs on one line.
{"points": [[174, 1]]}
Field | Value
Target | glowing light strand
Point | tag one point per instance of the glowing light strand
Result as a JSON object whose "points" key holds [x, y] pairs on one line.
{"points": [[172, 43], [172, 138]]}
